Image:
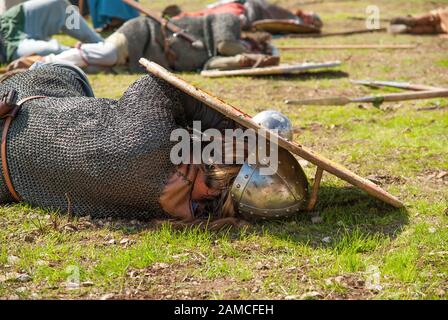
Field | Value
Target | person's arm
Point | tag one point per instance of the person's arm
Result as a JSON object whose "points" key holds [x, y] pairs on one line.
{"points": [[82, 31]]}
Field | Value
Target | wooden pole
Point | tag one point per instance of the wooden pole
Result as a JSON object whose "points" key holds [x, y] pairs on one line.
{"points": [[334, 34], [246, 121], [277, 70], [395, 84], [378, 99], [81, 7], [167, 23], [316, 185], [348, 46]]}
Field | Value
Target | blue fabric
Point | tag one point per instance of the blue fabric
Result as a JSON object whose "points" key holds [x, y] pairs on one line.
{"points": [[45, 18], [102, 11]]}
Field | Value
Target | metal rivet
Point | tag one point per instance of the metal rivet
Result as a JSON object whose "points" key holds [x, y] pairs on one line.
{"points": [[246, 176], [238, 186]]}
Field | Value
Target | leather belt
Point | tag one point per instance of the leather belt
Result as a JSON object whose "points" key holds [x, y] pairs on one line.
{"points": [[8, 111]]}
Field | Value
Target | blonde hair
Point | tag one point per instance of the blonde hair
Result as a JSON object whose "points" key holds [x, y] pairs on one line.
{"points": [[221, 177]]}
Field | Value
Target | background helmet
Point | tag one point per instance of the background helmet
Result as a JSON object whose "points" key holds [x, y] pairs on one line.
{"points": [[272, 119]]}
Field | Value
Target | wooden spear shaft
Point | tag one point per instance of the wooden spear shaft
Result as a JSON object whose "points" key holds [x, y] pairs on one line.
{"points": [[334, 34], [246, 121], [348, 46], [395, 84]]}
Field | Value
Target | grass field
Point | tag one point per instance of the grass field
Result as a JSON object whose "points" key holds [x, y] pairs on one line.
{"points": [[351, 247]]}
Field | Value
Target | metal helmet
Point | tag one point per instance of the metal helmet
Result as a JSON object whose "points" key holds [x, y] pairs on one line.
{"points": [[279, 195], [282, 194], [272, 119]]}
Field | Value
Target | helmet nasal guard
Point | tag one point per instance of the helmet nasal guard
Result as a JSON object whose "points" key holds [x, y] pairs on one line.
{"points": [[281, 194]]}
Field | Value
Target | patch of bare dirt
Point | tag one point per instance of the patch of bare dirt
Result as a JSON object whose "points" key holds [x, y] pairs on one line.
{"points": [[385, 179], [435, 176], [354, 287], [170, 281]]}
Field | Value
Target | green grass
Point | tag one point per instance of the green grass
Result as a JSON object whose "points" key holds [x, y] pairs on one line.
{"points": [[362, 249]]}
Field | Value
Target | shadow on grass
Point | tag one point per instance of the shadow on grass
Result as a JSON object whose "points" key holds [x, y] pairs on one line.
{"points": [[347, 215], [344, 212]]}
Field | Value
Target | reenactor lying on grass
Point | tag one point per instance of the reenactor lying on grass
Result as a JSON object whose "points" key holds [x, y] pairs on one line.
{"points": [[27, 28], [66, 150], [250, 11], [434, 22], [220, 36]]}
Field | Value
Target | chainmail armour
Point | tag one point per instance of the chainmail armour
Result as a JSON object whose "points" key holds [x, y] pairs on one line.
{"points": [[89, 156], [261, 9], [145, 39]]}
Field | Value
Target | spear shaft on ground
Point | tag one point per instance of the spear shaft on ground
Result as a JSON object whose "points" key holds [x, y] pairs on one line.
{"points": [[377, 99]]}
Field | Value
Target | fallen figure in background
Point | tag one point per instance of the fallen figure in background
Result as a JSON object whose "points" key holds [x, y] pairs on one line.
{"points": [[434, 22], [144, 37], [71, 152], [251, 11], [27, 28]]}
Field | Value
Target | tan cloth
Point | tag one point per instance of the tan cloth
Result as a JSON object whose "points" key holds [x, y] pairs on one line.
{"points": [[443, 15], [176, 197], [185, 186], [6, 4], [241, 61], [121, 43], [231, 48]]}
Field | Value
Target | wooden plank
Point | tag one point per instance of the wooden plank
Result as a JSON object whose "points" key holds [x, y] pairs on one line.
{"points": [[246, 121], [264, 71]]}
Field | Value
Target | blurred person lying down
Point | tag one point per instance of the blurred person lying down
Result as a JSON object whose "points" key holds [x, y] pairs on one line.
{"points": [[250, 11], [433, 22], [144, 37], [27, 28]]}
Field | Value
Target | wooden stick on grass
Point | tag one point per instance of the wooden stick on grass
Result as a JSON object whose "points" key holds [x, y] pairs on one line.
{"points": [[377, 99], [349, 46]]}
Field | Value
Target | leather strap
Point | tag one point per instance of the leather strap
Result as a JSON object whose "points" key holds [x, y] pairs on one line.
{"points": [[170, 55], [14, 109]]}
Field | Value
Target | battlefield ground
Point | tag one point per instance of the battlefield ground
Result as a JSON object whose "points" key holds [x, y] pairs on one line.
{"points": [[350, 247]]}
